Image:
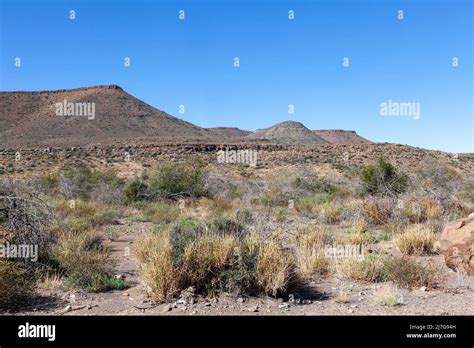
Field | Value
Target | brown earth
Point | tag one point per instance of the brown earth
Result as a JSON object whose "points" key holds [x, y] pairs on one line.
{"points": [[30, 118]]}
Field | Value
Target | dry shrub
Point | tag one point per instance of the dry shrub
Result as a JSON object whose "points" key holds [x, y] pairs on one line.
{"points": [[26, 217], [330, 212], [406, 272], [211, 263], [369, 269], [377, 211], [403, 271], [16, 285], [275, 269], [310, 255], [218, 206], [415, 241], [85, 262], [161, 213], [419, 210]]}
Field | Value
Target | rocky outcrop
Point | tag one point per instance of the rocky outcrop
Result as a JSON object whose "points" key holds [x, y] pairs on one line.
{"points": [[457, 244]]}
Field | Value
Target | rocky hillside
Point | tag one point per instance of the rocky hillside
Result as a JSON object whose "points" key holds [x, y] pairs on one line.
{"points": [[288, 132], [229, 132], [100, 114], [339, 136]]}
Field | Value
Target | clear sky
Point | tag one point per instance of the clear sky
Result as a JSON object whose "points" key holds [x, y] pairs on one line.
{"points": [[190, 62]]}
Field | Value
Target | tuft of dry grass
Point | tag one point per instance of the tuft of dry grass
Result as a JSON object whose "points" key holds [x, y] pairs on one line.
{"points": [[369, 269], [387, 295], [342, 297], [415, 241], [310, 256], [211, 263], [162, 213]]}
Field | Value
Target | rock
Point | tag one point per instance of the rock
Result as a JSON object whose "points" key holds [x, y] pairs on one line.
{"points": [[167, 308], [284, 305], [67, 308], [423, 288], [241, 300], [457, 244], [253, 309]]}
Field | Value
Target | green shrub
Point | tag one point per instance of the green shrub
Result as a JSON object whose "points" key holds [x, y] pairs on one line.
{"points": [[383, 179], [177, 180]]}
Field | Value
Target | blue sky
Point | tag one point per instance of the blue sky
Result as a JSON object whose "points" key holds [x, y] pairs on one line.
{"points": [[282, 61]]}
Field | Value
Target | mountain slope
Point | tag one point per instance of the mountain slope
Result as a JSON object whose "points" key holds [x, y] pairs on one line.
{"points": [[288, 132], [339, 136], [28, 118]]}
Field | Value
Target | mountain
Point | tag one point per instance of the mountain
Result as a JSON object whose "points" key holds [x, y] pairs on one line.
{"points": [[288, 132], [99, 114], [339, 136], [229, 132]]}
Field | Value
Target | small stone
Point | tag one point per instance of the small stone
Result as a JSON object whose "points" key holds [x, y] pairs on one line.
{"points": [[354, 306], [351, 311], [284, 305], [423, 288], [208, 304], [67, 308], [126, 294], [167, 308], [253, 309], [241, 300]]}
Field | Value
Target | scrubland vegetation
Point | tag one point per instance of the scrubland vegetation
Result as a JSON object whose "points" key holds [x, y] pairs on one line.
{"points": [[254, 236]]}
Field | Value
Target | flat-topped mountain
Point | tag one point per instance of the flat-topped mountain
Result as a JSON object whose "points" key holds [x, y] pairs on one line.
{"points": [[288, 132], [81, 116], [339, 136]]}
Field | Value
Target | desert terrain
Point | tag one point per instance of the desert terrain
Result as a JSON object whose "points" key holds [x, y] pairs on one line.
{"points": [[135, 211]]}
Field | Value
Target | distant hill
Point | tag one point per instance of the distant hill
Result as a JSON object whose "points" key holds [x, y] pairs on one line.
{"points": [[288, 132], [229, 132], [28, 118], [339, 136]]}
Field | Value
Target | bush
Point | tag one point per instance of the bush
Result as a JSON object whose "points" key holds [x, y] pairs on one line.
{"points": [[161, 213], [415, 241], [177, 180], [383, 179], [243, 216], [26, 217], [85, 183], [406, 272], [370, 269], [310, 255], [16, 285], [85, 262], [403, 271], [211, 263]]}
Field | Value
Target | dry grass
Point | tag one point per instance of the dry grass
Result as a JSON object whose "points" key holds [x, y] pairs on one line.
{"points": [[330, 212], [212, 262], [16, 285], [342, 297], [369, 269], [310, 256], [377, 211], [162, 212], [387, 295], [415, 241]]}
